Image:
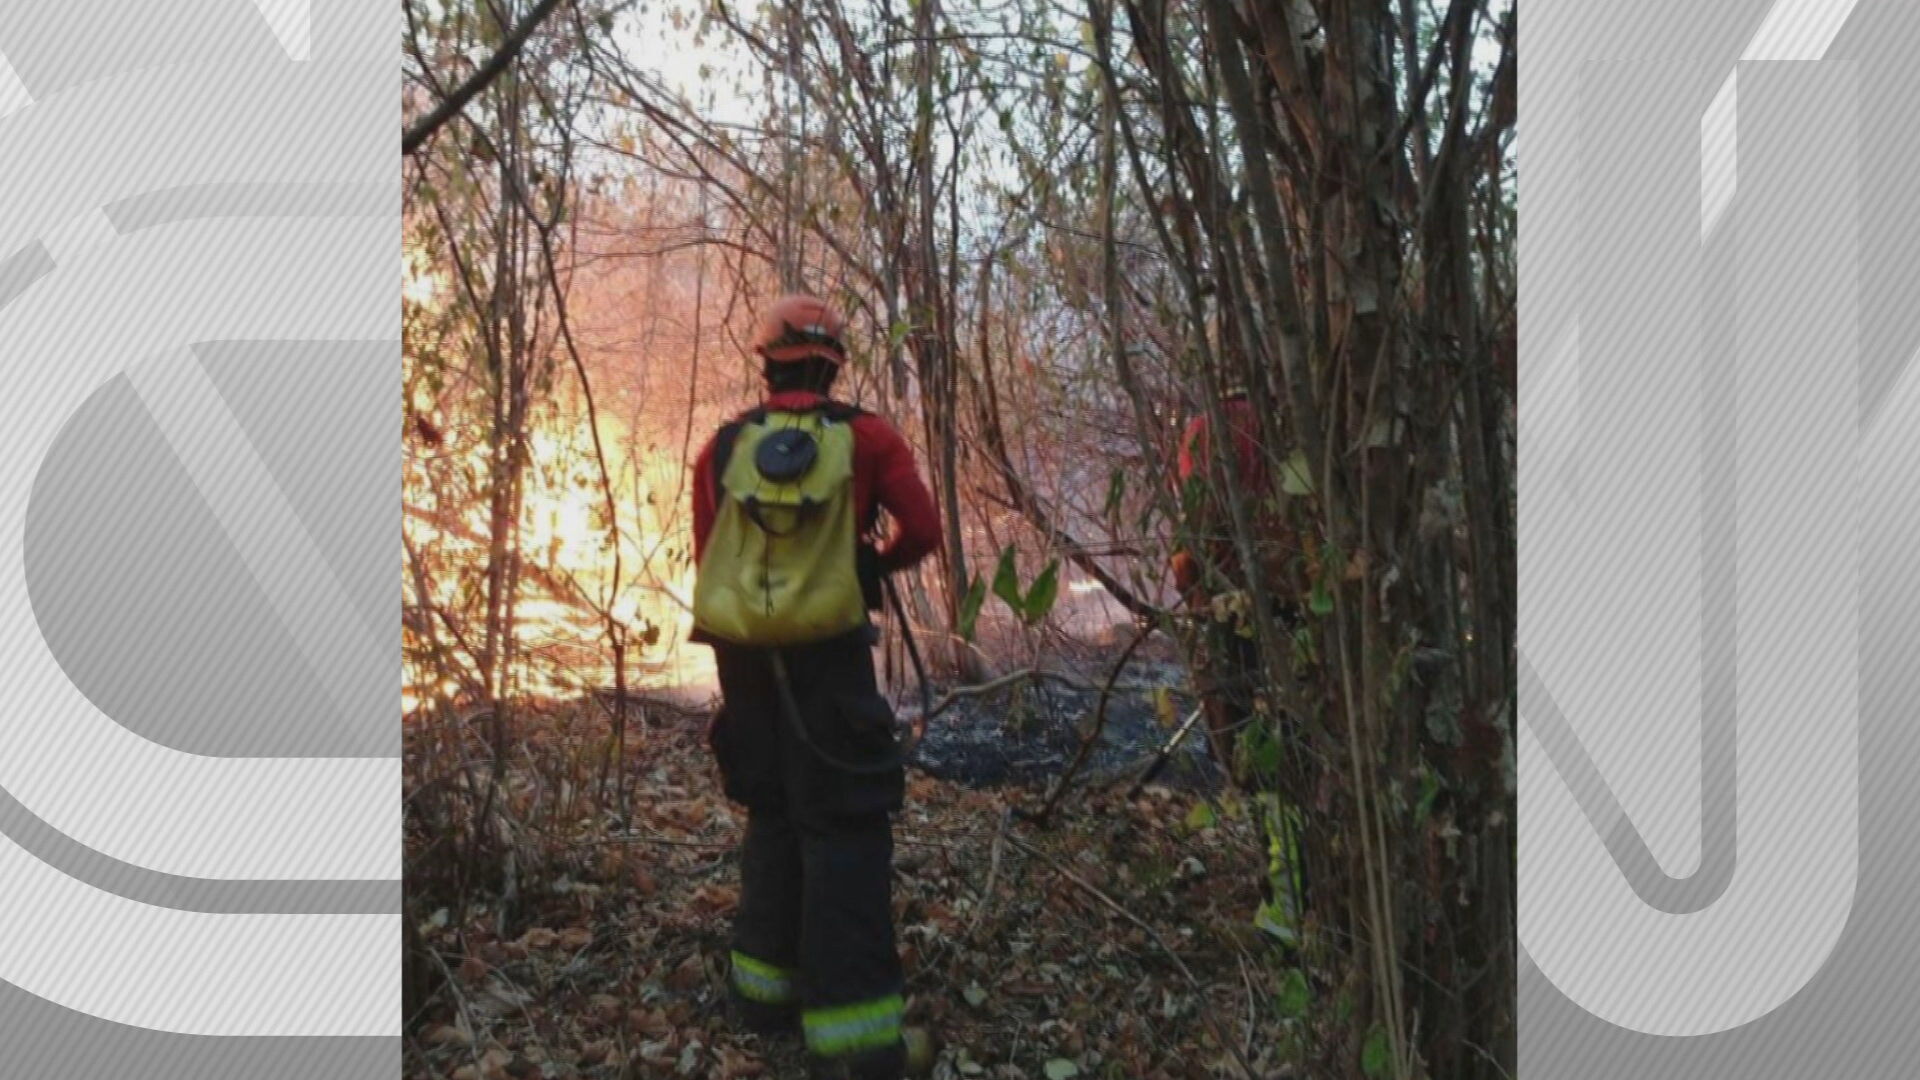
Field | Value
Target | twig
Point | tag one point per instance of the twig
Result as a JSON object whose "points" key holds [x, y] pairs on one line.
{"points": [[460, 1006], [1166, 752], [993, 871], [1491, 1060], [1066, 778], [959, 693]]}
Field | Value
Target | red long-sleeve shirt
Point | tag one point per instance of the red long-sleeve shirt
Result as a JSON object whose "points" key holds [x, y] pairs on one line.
{"points": [[1196, 446], [884, 474], [1196, 460]]}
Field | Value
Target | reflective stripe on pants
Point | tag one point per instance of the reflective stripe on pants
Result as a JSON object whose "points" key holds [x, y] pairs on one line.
{"points": [[850, 1029], [760, 981]]}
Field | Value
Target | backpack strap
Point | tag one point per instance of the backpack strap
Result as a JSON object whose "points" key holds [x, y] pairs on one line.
{"points": [[842, 413], [866, 556], [723, 441]]}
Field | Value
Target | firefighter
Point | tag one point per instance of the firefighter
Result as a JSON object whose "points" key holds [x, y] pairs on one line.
{"points": [[1227, 664], [786, 501]]}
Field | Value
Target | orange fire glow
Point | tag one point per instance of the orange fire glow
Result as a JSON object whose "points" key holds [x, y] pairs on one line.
{"points": [[567, 567]]}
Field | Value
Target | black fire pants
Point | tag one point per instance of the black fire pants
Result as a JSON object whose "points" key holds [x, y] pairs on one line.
{"points": [[814, 930]]}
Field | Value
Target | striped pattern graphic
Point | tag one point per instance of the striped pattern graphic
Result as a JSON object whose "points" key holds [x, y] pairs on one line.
{"points": [[200, 783]]}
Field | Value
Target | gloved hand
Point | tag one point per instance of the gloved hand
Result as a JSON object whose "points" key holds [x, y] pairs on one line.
{"points": [[867, 566]]}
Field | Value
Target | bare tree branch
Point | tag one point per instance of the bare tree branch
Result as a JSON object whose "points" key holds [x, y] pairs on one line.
{"points": [[423, 129]]}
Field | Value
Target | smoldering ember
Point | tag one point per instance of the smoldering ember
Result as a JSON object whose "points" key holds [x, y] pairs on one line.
{"points": [[959, 539]]}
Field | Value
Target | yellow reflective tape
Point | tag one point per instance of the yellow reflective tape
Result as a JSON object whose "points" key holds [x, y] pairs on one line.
{"points": [[760, 981], [847, 1029]]}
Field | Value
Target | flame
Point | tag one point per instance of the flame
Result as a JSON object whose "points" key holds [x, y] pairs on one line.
{"points": [[567, 580], [567, 588], [419, 283]]}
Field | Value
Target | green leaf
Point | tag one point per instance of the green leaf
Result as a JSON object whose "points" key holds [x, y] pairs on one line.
{"points": [[1294, 996], [1164, 709], [1333, 563], [1201, 817], [1062, 1069], [898, 333], [975, 996], [1272, 918], [1321, 601], [1042, 594], [1116, 491], [1381, 434], [1006, 583], [1429, 791], [1304, 649], [1296, 474], [970, 608], [1261, 750], [1193, 495], [1376, 1057]]}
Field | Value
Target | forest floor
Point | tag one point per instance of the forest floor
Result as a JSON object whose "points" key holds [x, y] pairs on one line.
{"points": [[1116, 940]]}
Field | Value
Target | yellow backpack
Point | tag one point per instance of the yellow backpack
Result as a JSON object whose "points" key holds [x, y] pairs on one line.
{"points": [[780, 566]]}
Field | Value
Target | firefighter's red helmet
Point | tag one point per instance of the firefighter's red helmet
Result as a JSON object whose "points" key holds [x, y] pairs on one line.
{"points": [[797, 326]]}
